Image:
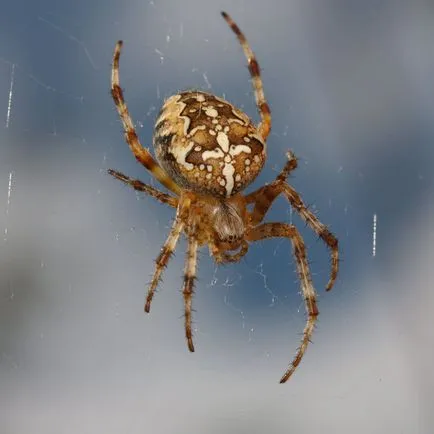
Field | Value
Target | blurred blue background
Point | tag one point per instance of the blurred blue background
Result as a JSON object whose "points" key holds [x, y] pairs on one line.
{"points": [[350, 85]]}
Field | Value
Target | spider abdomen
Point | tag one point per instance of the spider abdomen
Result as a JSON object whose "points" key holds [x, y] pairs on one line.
{"points": [[207, 145]]}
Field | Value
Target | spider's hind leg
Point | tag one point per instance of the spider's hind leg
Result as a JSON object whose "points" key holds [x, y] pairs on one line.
{"points": [[142, 154], [140, 186], [264, 126]]}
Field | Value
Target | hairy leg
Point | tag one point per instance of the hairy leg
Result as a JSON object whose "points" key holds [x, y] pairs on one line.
{"points": [[264, 110], [164, 256], [264, 197], [321, 230], [272, 230], [188, 289], [140, 186], [141, 153]]}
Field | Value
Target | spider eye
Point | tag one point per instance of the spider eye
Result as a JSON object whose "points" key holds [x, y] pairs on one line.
{"points": [[207, 145]]}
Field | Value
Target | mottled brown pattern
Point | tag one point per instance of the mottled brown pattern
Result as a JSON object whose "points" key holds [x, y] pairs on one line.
{"points": [[184, 120], [209, 152]]}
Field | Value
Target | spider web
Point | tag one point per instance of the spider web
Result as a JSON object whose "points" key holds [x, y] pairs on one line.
{"points": [[350, 89]]}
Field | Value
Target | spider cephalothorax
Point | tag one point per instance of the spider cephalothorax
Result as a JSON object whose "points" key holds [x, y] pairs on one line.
{"points": [[209, 152]]}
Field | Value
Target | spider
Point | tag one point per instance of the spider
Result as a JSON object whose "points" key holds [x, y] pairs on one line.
{"points": [[208, 152]]}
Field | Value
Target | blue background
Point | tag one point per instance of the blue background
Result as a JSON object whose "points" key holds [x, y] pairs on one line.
{"points": [[350, 85]]}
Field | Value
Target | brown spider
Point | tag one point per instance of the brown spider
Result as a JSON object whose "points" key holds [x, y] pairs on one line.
{"points": [[208, 151]]}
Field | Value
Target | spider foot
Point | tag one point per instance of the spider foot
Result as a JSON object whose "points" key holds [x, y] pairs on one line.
{"points": [[190, 344]]}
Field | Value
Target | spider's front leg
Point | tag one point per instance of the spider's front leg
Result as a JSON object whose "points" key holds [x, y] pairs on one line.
{"points": [[273, 230], [168, 247], [163, 259], [321, 230], [188, 289], [264, 197]]}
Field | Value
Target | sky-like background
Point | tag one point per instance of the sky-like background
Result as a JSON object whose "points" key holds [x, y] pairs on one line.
{"points": [[350, 86]]}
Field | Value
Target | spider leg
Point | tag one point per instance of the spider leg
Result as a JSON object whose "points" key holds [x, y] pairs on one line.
{"points": [[188, 288], [290, 165], [163, 259], [141, 153], [321, 230], [264, 126], [140, 186], [264, 197], [272, 230]]}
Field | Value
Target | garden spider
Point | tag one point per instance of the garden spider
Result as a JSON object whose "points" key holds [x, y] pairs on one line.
{"points": [[208, 151]]}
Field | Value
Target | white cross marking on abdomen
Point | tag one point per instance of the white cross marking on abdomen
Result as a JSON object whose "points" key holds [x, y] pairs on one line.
{"points": [[226, 151]]}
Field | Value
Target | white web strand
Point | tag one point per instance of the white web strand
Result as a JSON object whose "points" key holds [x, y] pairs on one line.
{"points": [[73, 38], [374, 235], [274, 297], [5, 238], [11, 90]]}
